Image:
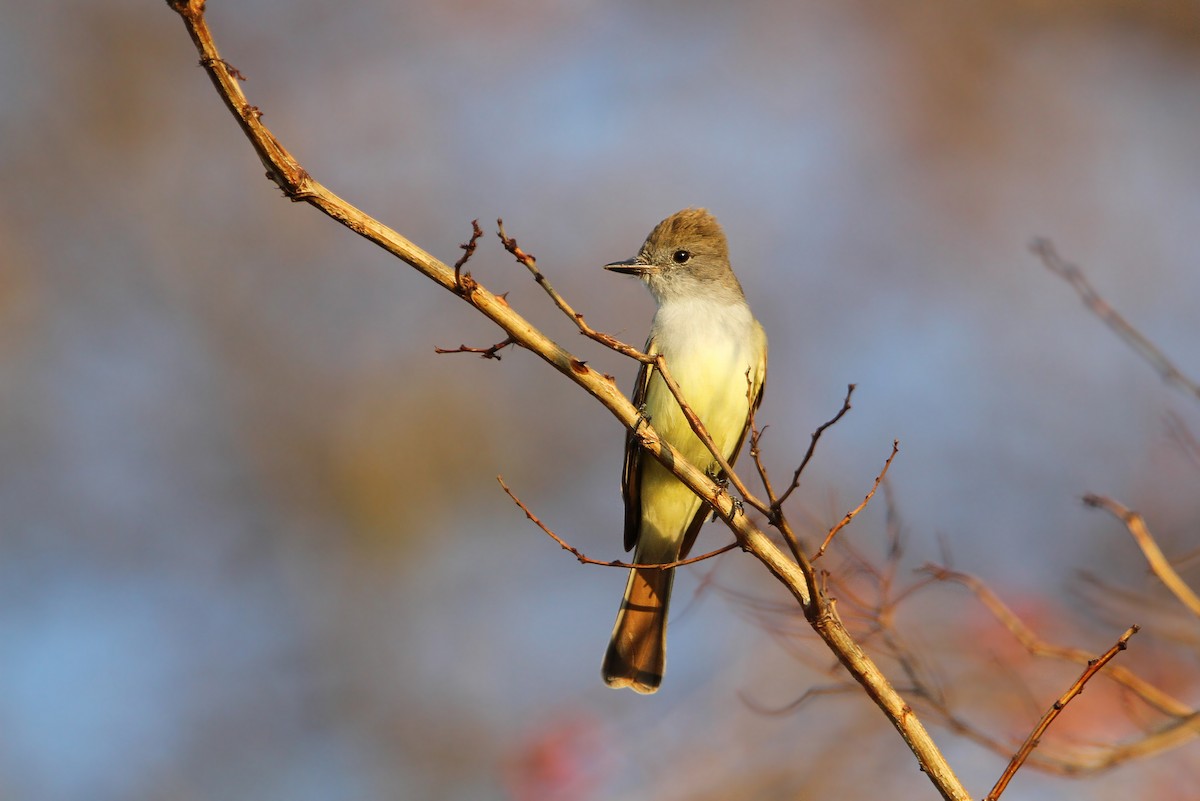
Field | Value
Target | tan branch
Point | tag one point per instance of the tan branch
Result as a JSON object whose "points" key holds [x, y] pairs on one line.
{"points": [[1136, 525], [1031, 742], [608, 340], [1151, 695]]}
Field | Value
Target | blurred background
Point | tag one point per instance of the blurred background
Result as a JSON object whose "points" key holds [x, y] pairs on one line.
{"points": [[251, 541]]}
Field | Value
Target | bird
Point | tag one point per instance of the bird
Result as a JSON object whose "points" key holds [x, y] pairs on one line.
{"points": [[716, 351]]}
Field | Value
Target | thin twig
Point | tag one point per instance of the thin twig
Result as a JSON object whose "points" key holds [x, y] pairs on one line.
{"points": [[587, 560], [1031, 742], [527, 259], [854, 512], [490, 352], [1183, 436], [775, 515], [774, 512], [793, 705], [756, 435], [1031, 642], [468, 249], [812, 446], [1071, 273], [1158, 562]]}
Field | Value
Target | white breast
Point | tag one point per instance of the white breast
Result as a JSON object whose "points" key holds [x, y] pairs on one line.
{"points": [[710, 348]]}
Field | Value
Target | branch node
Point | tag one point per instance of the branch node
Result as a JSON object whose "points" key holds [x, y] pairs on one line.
{"points": [[464, 284], [490, 352]]}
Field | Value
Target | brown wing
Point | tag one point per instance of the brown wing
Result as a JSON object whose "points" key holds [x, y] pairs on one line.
{"points": [[631, 475], [693, 529]]}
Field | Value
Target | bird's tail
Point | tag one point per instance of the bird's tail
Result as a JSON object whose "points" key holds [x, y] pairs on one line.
{"points": [[636, 654]]}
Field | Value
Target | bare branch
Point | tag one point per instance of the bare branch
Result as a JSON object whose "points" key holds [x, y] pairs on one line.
{"points": [[1070, 273], [854, 512], [587, 560], [812, 446], [1151, 695], [1158, 562], [1031, 742], [468, 248], [775, 515], [490, 352], [792, 706], [609, 341], [756, 435]]}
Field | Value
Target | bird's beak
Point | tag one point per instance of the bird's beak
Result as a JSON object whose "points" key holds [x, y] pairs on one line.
{"points": [[634, 266]]}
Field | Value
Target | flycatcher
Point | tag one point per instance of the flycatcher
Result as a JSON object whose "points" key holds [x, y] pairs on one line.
{"points": [[717, 353]]}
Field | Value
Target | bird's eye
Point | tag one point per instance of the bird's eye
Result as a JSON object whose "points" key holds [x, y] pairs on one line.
{"points": [[681, 256]]}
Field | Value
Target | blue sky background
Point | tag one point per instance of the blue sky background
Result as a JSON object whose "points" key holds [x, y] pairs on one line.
{"points": [[251, 542]]}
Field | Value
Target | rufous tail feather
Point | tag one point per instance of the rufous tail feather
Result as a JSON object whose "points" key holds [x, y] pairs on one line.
{"points": [[636, 654]]}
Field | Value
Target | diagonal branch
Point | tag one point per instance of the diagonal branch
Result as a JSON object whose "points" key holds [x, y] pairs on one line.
{"points": [[775, 514], [845, 521], [1071, 273], [490, 352], [1031, 642], [527, 259], [1031, 742], [812, 447], [1158, 561], [587, 560], [798, 577]]}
